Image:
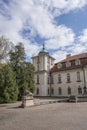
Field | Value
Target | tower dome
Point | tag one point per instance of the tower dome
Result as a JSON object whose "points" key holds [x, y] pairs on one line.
{"points": [[43, 51]]}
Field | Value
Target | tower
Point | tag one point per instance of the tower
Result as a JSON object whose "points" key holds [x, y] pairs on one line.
{"points": [[42, 63]]}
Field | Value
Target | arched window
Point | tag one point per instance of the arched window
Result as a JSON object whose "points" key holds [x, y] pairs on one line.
{"points": [[69, 90], [52, 91], [59, 91], [48, 80], [68, 64], [48, 91], [68, 78], [59, 65], [37, 78], [59, 78], [78, 76], [79, 90], [52, 81], [77, 62], [37, 91]]}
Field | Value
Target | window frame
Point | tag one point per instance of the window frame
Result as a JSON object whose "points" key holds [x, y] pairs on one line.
{"points": [[69, 91]]}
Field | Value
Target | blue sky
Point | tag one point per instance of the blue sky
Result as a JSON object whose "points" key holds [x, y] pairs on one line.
{"points": [[60, 24]]}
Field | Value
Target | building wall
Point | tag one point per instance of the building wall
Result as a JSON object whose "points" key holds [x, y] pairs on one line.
{"points": [[45, 87], [42, 64], [42, 84], [64, 85]]}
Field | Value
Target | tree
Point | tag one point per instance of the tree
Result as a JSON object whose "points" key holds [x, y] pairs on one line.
{"points": [[30, 71], [5, 47], [8, 85], [24, 71], [17, 59], [17, 56]]}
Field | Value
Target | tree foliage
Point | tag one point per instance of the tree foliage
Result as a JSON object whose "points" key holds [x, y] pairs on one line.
{"points": [[5, 47], [24, 71], [17, 75], [8, 85]]}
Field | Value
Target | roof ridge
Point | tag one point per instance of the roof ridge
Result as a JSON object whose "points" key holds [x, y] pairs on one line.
{"points": [[74, 57]]}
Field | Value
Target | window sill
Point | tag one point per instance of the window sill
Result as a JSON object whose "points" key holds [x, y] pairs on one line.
{"points": [[68, 82], [78, 81], [59, 82], [37, 83]]}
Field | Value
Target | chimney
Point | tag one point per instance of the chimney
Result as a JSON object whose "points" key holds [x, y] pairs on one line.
{"points": [[68, 55]]}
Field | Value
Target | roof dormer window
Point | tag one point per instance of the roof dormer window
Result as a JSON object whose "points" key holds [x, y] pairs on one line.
{"points": [[77, 62], [68, 64], [59, 65]]}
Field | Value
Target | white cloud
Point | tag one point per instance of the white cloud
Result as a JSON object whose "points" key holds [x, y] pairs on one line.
{"points": [[83, 37], [63, 37], [59, 55], [64, 6], [38, 16]]}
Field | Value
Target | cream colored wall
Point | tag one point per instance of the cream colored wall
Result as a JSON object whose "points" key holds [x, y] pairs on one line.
{"points": [[43, 65], [42, 84], [64, 85]]}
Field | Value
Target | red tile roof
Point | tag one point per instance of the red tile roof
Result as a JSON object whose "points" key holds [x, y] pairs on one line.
{"points": [[82, 57], [75, 57]]}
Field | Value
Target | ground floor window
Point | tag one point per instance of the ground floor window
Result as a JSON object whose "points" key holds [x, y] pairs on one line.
{"points": [[48, 91], [52, 91], [79, 90], [37, 91], [59, 91], [69, 90]]}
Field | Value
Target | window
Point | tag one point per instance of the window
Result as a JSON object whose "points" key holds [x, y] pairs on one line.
{"points": [[68, 78], [59, 65], [78, 77], [37, 79], [52, 79], [59, 91], [48, 60], [48, 67], [79, 90], [77, 62], [52, 91], [69, 90], [38, 61], [37, 91], [48, 91], [48, 80], [68, 64], [59, 79], [51, 62]]}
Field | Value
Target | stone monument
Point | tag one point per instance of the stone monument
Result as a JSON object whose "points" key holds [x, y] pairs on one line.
{"points": [[27, 99]]}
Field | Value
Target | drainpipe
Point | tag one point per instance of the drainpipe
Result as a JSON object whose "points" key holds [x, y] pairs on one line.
{"points": [[50, 84], [85, 92]]}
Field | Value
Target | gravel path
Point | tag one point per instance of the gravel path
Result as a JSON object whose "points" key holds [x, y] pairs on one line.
{"points": [[58, 116]]}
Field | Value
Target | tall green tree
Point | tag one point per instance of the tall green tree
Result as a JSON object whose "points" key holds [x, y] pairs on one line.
{"points": [[17, 59], [30, 72], [24, 71], [17, 56], [8, 85]]}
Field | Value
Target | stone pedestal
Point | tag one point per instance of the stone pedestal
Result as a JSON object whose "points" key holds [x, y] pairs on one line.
{"points": [[27, 101]]}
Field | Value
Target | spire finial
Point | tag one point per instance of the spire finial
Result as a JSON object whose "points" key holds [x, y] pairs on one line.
{"points": [[43, 47]]}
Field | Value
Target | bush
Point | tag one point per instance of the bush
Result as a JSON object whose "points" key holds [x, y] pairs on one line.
{"points": [[73, 98]]}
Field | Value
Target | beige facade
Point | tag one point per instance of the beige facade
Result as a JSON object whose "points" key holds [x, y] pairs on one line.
{"points": [[64, 85], [43, 62], [55, 80]]}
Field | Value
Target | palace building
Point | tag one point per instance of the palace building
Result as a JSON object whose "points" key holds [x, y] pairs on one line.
{"points": [[67, 77]]}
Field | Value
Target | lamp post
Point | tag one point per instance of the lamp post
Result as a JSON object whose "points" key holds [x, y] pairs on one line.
{"points": [[84, 88], [50, 84]]}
